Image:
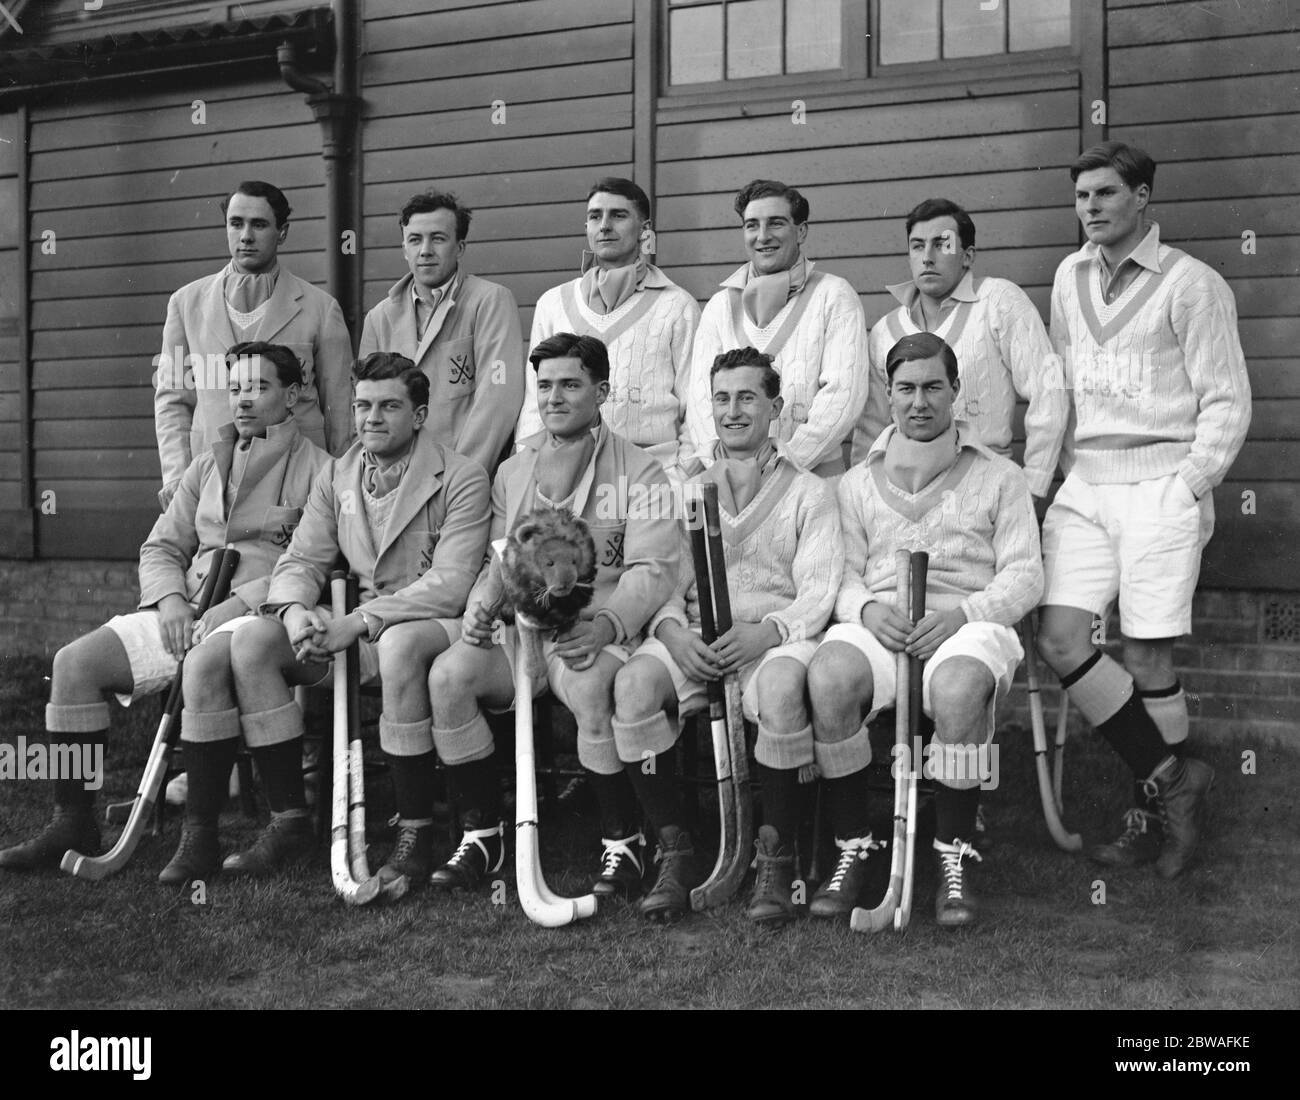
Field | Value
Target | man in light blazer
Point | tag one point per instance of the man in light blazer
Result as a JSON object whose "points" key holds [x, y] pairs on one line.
{"points": [[247, 491], [253, 297], [462, 331], [411, 517]]}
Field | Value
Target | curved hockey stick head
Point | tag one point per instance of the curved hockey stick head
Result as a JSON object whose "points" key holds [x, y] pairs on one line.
{"points": [[364, 894], [878, 919]]}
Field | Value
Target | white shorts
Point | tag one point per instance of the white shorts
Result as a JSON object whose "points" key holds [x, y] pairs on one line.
{"points": [[693, 694], [152, 668], [1140, 541], [996, 647]]}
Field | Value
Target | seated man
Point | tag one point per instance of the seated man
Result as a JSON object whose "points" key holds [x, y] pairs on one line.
{"points": [[926, 485], [781, 533], [247, 490], [411, 518], [625, 498]]}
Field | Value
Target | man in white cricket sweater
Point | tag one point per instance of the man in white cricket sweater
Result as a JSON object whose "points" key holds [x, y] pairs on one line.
{"points": [[1161, 408], [999, 339], [809, 321], [462, 331], [784, 557], [645, 320], [929, 484]]}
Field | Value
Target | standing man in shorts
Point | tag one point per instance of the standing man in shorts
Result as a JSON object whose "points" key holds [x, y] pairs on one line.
{"points": [[247, 490], [1161, 408], [625, 498], [781, 539], [929, 484], [410, 516]]}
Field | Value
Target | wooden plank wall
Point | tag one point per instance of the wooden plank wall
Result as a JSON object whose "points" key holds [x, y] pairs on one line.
{"points": [[431, 72], [15, 538], [1211, 88], [130, 186]]}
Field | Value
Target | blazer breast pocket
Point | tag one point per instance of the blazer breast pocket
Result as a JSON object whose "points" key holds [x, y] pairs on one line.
{"points": [[420, 546], [279, 524], [608, 541], [455, 367]]}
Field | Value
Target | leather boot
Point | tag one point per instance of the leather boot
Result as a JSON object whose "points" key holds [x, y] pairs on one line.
{"points": [[954, 903], [1179, 784], [838, 895], [197, 856], [481, 852], [622, 867], [771, 903], [679, 874], [411, 857], [284, 842], [1139, 843], [71, 827]]}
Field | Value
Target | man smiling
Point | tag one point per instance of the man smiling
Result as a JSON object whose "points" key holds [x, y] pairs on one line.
{"points": [[645, 320], [462, 331], [809, 321], [927, 484], [254, 297]]}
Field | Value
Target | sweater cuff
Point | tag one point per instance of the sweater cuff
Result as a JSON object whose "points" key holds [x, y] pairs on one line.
{"points": [[1195, 480], [1040, 481], [620, 632], [782, 627]]}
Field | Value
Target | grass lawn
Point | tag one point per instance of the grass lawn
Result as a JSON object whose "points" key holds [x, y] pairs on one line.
{"points": [[1222, 936]]}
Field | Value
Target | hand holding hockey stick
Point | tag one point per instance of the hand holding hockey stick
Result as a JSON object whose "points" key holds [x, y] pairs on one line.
{"points": [[216, 587]]}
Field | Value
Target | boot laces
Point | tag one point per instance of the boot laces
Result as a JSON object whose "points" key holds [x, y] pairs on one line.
{"points": [[189, 842], [952, 855], [618, 849], [859, 848], [407, 839], [473, 838], [1137, 821]]}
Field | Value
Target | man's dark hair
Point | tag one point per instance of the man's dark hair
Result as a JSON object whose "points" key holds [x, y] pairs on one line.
{"points": [[921, 345], [748, 357], [379, 366], [616, 185], [429, 201], [259, 189], [769, 189], [943, 208], [288, 369], [1134, 165], [589, 351]]}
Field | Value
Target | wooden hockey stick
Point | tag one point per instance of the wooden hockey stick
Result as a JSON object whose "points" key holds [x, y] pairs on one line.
{"points": [[882, 916], [348, 788], [726, 719], [539, 903], [920, 568], [216, 587], [1049, 789]]}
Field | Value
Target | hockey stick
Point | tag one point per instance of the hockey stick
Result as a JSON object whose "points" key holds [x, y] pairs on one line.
{"points": [[920, 567], [348, 789], [726, 720], [1049, 790], [882, 916], [356, 761], [541, 906], [93, 868]]}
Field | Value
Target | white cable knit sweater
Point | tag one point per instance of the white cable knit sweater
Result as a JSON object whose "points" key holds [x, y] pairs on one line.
{"points": [[1158, 376]]}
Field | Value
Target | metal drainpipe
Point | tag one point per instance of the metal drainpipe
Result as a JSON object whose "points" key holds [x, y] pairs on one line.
{"points": [[336, 107]]}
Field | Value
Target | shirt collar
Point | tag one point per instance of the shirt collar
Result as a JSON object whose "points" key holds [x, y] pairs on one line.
{"points": [[966, 437], [1146, 254], [447, 290], [907, 293]]}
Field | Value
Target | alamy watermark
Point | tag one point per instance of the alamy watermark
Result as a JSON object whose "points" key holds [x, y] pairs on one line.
{"points": [[38, 760]]}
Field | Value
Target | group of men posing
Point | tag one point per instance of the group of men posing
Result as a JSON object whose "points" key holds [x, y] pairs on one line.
{"points": [[1140, 392]]}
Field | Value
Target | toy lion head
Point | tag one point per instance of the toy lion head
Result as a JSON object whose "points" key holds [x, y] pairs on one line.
{"points": [[549, 568]]}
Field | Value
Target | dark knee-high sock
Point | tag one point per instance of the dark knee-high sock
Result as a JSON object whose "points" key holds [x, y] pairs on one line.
{"points": [[1107, 697], [476, 793], [207, 764], [847, 797], [280, 766], [658, 788], [954, 813], [780, 799], [617, 802], [414, 778]]}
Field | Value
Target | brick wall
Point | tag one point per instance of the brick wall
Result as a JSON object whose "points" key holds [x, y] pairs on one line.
{"points": [[1241, 667]]}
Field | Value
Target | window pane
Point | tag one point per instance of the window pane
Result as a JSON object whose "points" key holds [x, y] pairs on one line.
{"points": [[969, 31], [695, 45], [812, 35], [1040, 24], [753, 38], [909, 31]]}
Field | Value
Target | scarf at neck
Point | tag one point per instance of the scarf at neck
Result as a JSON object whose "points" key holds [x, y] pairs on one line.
{"points": [[739, 479], [605, 290], [561, 464], [380, 481], [246, 292], [912, 465], [765, 296]]}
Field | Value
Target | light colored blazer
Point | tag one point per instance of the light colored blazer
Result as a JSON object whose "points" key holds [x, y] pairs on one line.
{"points": [[473, 354], [631, 513], [421, 567], [259, 521], [187, 413]]}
